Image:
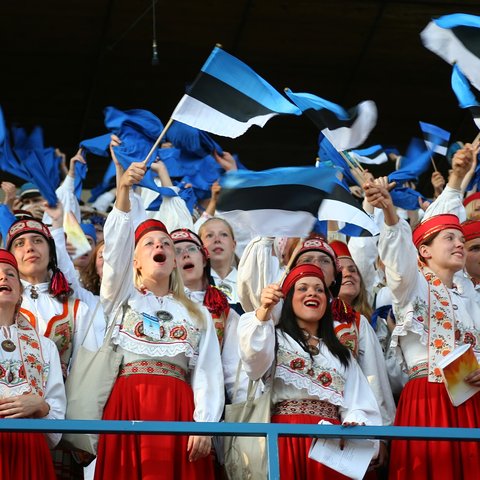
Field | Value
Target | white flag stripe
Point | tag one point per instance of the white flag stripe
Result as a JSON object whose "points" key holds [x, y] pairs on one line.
{"points": [[343, 212], [200, 115], [441, 150], [378, 160]]}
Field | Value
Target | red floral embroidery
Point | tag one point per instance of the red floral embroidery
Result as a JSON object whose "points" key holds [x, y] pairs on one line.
{"points": [[21, 372], [470, 338], [139, 329], [310, 372], [297, 363], [325, 378], [162, 332], [2, 372], [179, 333]]}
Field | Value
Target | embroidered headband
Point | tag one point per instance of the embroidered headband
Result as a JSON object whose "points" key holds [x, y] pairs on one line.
{"points": [[471, 229], [26, 225], [186, 235], [300, 271], [433, 225], [317, 244], [147, 226]]}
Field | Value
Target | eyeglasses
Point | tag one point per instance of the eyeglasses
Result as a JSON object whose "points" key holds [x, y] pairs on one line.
{"points": [[191, 250]]}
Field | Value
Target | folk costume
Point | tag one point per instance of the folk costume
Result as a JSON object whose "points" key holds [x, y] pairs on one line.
{"points": [[431, 320], [170, 372]]}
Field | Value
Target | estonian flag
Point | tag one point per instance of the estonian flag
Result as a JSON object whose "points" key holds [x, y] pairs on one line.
{"points": [[345, 130], [374, 155], [456, 39], [277, 202], [228, 97], [435, 137], [465, 96]]}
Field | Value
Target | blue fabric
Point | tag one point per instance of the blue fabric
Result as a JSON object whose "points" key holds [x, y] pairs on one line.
{"points": [[306, 101], [89, 229], [6, 220], [462, 89], [457, 20], [241, 77], [81, 170], [406, 198], [24, 141], [97, 145], [416, 161], [192, 140], [35, 167], [381, 312], [327, 152], [108, 183]]}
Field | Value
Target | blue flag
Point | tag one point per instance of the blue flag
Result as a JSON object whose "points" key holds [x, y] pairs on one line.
{"points": [[416, 161], [436, 138], [192, 140], [228, 97], [465, 96]]}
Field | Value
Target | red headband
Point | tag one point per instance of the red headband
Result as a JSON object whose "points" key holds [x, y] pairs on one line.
{"points": [[149, 226], [186, 235], [317, 244], [471, 229], [341, 249], [27, 225], [471, 198], [434, 225], [7, 257], [300, 271]]}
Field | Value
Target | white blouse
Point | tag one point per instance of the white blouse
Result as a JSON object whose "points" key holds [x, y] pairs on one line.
{"points": [[54, 389], [196, 347], [297, 377]]}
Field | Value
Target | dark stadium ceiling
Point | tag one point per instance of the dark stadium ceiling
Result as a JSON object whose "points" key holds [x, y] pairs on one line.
{"points": [[63, 62]]}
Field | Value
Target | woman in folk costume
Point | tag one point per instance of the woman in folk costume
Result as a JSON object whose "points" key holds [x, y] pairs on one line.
{"points": [[48, 304], [316, 377], [433, 315], [31, 383], [351, 328], [193, 263], [171, 368]]}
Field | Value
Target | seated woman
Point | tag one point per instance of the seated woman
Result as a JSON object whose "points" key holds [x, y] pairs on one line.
{"points": [[31, 383], [314, 372], [171, 369]]}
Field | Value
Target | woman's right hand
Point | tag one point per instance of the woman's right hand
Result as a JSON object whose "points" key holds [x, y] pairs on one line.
{"points": [[271, 295]]}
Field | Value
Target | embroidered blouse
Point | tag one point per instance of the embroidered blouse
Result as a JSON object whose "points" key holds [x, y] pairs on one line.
{"points": [[182, 341], [297, 377], [13, 378]]}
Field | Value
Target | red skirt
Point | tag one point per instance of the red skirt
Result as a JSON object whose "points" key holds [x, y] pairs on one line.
{"points": [[293, 453], [425, 404], [25, 456], [149, 457]]}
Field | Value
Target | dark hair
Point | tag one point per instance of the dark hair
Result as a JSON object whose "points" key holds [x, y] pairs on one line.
{"points": [[427, 243], [325, 332]]}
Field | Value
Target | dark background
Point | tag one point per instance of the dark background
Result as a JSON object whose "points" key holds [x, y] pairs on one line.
{"points": [[64, 61]]}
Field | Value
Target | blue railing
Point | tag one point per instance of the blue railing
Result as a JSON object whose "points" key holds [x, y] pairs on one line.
{"points": [[269, 430]]}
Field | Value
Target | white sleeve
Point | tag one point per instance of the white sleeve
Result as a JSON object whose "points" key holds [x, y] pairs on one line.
{"points": [[449, 201], [54, 388], [400, 257], [360, 405], [372, 362], [117, 281], [207, 378], [257, 344], [364, 253], [258, 268]]}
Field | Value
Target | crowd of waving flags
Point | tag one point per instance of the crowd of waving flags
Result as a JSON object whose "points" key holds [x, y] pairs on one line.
{"points": [[227, 98]]}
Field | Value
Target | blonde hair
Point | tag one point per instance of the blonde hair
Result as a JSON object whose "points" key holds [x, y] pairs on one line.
{"points": [[361, 303], [177, 288], [470, 210], [235, 259]]}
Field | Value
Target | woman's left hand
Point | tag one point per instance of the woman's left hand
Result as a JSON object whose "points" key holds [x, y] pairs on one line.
{"points": [[198, 447], [24, 406], [473, 378]]}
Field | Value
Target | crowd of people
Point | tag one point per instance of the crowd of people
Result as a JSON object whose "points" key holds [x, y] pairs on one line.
{"points": [[344, 331]]}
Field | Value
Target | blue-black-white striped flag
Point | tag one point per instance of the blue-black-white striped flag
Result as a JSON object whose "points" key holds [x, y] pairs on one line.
{"points": [[465, 96], [436, 138], [228, 97], [456, 39], [374, 155], [345, 129]]}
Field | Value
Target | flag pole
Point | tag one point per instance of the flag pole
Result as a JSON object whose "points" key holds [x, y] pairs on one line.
{"points": [[298, 246], [157, 142], [433, 163], [477, 139]]}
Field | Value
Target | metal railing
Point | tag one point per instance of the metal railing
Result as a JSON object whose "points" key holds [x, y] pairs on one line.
{"points": [[269, 430]]}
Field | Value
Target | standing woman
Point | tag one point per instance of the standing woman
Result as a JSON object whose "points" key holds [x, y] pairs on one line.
{"points": [[31, 383], [218, 238], [316, 377], [433, 316], [171, 367]]}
